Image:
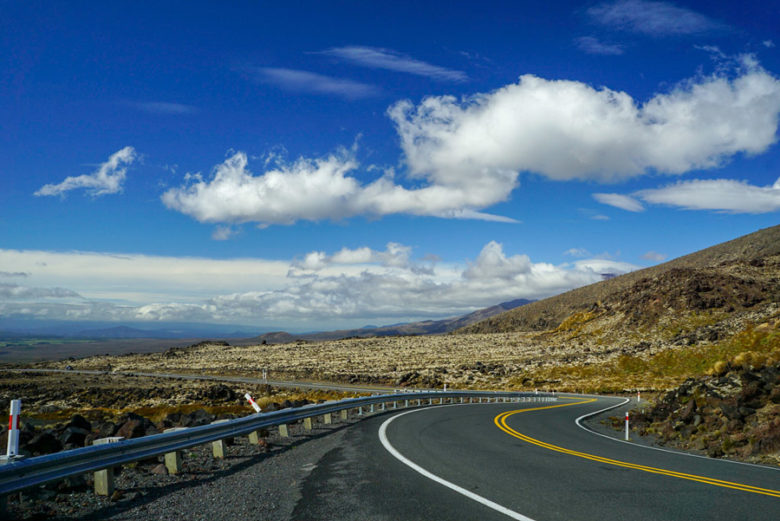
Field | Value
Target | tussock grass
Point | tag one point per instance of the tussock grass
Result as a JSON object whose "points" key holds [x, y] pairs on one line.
{"points": [[753, 347]]}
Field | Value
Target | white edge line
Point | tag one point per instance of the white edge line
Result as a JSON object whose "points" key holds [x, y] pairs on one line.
{"points": [[437, 479], [579, 420]]}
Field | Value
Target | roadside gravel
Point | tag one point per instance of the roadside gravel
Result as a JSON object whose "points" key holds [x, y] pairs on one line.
{"points": [[252, 483]]}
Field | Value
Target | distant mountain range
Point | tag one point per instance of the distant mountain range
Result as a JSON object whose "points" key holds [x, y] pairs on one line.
{"points": [[426, 327]]}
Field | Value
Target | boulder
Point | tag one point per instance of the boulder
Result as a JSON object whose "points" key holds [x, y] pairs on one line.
{"points": [[80, 422], [196, 418], [43, 443], [135, 426], [73, 436]]}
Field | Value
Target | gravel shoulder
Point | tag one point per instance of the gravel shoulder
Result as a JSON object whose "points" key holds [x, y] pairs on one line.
{"points": [[252, 482]]}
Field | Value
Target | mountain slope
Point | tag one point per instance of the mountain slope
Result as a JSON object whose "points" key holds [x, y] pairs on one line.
{"points": [[717, 269]]}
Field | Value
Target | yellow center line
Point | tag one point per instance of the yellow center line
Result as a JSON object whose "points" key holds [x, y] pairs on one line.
{"points": [[501, 420]]}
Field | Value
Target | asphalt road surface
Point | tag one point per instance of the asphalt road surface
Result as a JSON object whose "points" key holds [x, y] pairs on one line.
{"points": [[523, 461]]}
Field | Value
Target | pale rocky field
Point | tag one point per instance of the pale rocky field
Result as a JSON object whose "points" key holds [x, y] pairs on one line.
{"points": [[505, 360]]}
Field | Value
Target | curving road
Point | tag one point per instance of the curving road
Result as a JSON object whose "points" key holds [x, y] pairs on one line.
{"points": [[523, 461]]}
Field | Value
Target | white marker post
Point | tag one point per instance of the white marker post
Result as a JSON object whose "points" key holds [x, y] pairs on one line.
{"points": [[13, 429], [265, 376], [252, 402], [638, 397], [626, 425]]}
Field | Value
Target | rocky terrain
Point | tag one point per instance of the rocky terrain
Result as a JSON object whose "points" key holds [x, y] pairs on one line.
{"points": [[734, 412], [65, 410]]}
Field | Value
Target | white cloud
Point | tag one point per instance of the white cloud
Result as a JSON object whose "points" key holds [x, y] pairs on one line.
{"points": [[107, 179], [577, 252], [378, 58], [768, 44], [600, 217], [724, 195], [342, 289], [315, 190], [223, 233], [305, 81], [139, 279], [164, 107], [592, 45], [492, 263], [570, 130], [652, 18], [623, 202], [654, 256], [463, 156]]}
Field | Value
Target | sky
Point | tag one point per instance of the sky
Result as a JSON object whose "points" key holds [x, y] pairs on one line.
{"points": [[323, 165]]}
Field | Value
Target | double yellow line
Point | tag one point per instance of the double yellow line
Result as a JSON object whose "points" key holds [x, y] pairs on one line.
{"points": [[501, 420]]}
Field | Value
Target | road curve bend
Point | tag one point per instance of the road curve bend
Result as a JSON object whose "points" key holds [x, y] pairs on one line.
{"points": [[526, 461]]}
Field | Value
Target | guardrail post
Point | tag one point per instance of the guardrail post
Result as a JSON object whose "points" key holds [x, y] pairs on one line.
{"points": [[218, 446], [284, 432], [254, 437], [360, 411], [344, 414], [406, 403], [307, 423], [382, 406], [326, 418], [371, 409], [104, 479], [173, 459]]}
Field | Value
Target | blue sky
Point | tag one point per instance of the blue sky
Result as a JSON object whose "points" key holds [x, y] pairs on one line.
{"points": [[334, 164]]}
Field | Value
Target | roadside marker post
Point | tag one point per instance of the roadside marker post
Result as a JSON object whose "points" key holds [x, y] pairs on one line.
{"points": [[13, 429], [252, 402], [626, 425], [638, 397], [265, 376]]}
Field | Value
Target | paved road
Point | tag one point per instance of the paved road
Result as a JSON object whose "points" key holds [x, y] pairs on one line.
{"points": [[536, 464]]}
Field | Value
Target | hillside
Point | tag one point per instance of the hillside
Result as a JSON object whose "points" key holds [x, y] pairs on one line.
{"points": [[729, 278]]}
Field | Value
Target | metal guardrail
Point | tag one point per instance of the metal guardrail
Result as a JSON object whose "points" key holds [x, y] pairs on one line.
{"points": [[26, 473]]}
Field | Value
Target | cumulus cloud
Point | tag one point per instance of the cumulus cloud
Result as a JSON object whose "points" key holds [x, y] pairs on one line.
{"points": [[305, 81], [570, 130], [463, 156], [378, 58], [623, 202], [769, 44], [324, 290], [652, 18], [395, 255], [107, 179], [723, 195], [592, 45], [315, 190]]}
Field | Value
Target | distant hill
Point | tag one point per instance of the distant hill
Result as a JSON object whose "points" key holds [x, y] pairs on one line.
{"points": [[732, 277], [426, 327]]}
